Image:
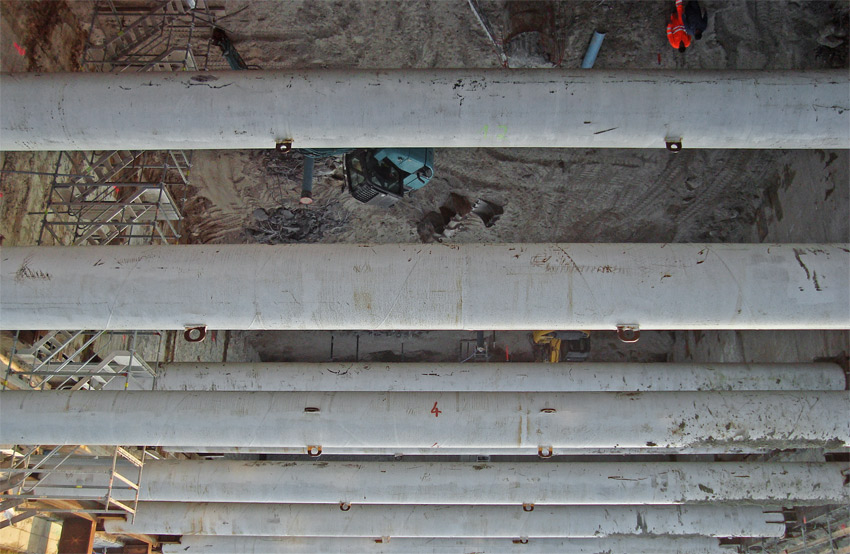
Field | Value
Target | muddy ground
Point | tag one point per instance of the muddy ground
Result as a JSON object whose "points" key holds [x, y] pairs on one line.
{"points": [[547, 194]]}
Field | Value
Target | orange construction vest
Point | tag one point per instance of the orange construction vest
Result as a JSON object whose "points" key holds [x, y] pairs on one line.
{"points": [[676, 34]]}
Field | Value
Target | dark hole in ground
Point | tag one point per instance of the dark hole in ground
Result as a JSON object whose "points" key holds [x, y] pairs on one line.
{"points": [[434, 225]]}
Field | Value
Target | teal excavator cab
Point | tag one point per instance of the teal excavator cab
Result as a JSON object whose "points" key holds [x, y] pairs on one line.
{"points": [[381, 177]]}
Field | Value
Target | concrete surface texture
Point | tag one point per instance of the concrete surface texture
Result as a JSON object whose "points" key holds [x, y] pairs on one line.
{"points": [[547, 194], [571, 195]]}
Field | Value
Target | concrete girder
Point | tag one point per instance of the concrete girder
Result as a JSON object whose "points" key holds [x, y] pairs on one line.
{"points": [[452, 108]]}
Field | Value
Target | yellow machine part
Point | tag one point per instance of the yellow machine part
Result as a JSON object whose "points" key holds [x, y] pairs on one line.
{"points": [[547, 338], [550, 339]]}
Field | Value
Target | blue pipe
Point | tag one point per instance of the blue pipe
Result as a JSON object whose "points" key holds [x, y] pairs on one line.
{"points": [[307, 181], [592, 50]]}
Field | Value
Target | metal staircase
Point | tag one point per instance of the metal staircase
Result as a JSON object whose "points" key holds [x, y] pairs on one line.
{"points": [[127, 196], [134, 44], [105, 167], [82, 360], [163, 38], [117, 197], [26, 481]]}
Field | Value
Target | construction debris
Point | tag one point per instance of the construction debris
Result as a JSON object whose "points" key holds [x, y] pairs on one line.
{"points": [[294, 224], [451, 217]]}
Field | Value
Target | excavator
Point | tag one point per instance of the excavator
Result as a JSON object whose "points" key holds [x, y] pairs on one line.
{"points": [[375, 176]]}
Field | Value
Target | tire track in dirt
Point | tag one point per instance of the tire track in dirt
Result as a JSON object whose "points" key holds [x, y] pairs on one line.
{"points": [[737, 178]]}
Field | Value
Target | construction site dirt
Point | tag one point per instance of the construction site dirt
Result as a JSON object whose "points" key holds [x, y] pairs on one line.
{"points": [[544, 194]]}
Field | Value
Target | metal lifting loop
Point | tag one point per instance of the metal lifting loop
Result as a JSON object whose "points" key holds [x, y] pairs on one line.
{"points": [[195, 333]]}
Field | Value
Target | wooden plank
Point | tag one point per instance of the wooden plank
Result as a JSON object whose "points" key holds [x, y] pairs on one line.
{"points": [[70, 506], [131, 484], [121, 505], [129, 457]]}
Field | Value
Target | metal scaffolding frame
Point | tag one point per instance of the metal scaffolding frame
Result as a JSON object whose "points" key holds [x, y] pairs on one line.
{"points": [[117, 197], [129, 196], [81, 360], [808, 532], [161, 38], [27, 467]]}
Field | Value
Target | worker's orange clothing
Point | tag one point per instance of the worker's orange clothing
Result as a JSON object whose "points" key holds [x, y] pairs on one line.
{"points": [[676, 34]]}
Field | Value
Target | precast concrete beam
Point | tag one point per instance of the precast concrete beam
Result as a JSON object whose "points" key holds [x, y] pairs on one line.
{"points": [[508, 522], [428, 420], [427, 287], [299, 545], [495, 483], [709, 449], [421, 108], [496, 377]]}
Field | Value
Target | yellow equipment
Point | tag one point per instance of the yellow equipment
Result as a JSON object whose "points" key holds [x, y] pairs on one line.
{"points": [[573, 346]]}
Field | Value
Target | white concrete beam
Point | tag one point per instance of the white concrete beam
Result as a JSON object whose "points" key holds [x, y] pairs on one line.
{"points": [[498, 483], [315, 520], [703, 449], [427, 287], [418, 108], [496, 377], [428, 420], [301, 545]]}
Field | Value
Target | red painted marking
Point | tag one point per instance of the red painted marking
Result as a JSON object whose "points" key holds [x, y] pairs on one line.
{"points": [[659, 58], [21, 51], [436, 411]]}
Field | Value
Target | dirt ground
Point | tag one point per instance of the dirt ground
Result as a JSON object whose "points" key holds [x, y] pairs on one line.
{"points": [[579, 195], [547, 194]]}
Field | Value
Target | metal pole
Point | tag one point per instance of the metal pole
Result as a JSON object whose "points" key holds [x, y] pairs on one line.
{"points": [[499, 483], [307, 181], [407, 420], [427, 287], [313, 520], [377, 545], [424, 108], [496, 377]]}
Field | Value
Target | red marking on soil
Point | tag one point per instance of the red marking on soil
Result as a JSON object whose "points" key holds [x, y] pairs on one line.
{"points": [[21, 51]]}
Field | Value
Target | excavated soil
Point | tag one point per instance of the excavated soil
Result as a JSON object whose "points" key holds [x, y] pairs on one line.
{"points": [[577, 195]]}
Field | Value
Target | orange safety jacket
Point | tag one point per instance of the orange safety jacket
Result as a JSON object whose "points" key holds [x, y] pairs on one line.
{"points": [[676, 28]]}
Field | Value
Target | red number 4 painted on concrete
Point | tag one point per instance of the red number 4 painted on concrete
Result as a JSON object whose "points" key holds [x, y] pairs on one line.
{"points": [[436, 411]]}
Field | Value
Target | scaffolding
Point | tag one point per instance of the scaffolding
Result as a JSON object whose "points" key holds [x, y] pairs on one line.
{"points": [[81, 360], [158, 36], [75, 360], [823, 530], [129, 196], [118, 197], [27, 468]]}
